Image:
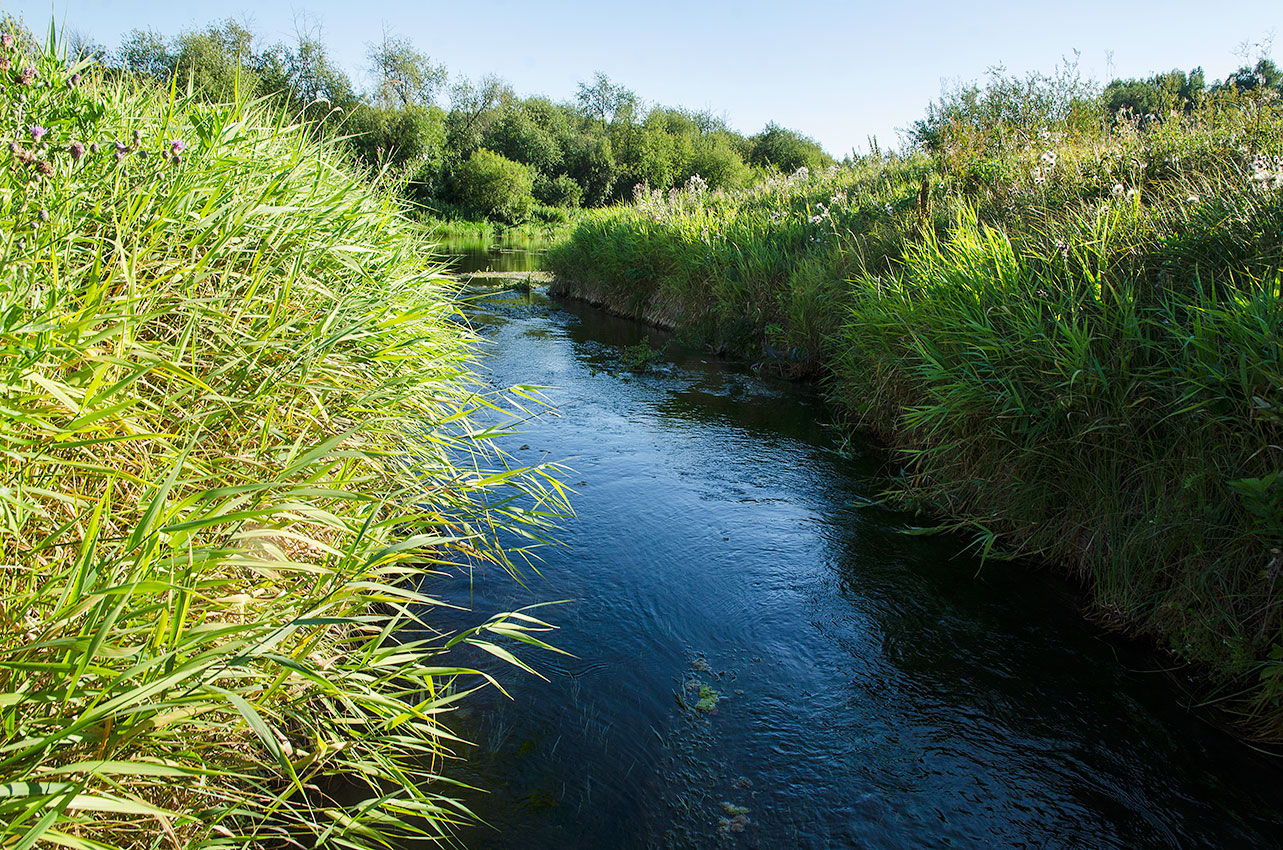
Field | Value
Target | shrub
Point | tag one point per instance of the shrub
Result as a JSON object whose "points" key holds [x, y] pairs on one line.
{"points": [[493, 186], [787, 151], [560, 191]]}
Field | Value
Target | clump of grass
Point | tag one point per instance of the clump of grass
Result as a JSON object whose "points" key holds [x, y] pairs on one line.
{"points": [[235, 439], [642, 356], [1067, 322]]}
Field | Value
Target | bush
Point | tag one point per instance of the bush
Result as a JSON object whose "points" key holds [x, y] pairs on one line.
{"points": [[493, 186], [787, 151], [560, 191]]}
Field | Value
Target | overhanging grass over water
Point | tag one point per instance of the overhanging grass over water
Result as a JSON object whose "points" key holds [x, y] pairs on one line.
{"points": [[235, 398], [1069, 326]]}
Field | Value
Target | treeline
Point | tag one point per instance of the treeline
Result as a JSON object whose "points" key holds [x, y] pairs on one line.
{"points": [[970, 114], [491, 154]]}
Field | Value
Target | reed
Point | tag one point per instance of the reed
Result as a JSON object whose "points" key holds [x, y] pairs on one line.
{"points": [[236, 438], [1068, 327]]}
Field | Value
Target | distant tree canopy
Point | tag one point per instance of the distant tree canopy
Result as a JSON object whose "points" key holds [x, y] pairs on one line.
{"points": [[1263, 75], [1158, 95], [970, 123], [786, 150], [489, 152]]}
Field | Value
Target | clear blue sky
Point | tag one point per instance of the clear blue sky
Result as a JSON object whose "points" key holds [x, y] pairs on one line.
{"points": [[838, 72]]}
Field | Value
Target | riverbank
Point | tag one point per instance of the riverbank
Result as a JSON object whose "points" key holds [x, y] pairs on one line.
{"points": [[1069, 333], [236, 439], [771, 600]]}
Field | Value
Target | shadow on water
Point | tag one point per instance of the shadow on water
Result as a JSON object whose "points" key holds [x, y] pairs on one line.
{"points": [[758, 662]]}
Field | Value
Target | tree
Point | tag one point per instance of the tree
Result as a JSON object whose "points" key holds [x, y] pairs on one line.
{"points": [[472, 108], [590, 160], [145, 52], [216, 61], [518, 135], [714, 158], [606, 102], [405, 76], [317, 85], [81, 47], [1157, 95], [1265, 75]]}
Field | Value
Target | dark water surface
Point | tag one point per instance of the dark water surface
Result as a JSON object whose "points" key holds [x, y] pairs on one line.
{"points": [[874, 689]]}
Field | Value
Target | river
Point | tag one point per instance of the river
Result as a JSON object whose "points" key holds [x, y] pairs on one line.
{"points": [[762, 659]]}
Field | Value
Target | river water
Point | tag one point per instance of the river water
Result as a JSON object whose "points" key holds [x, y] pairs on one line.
{"points": [[762, 660]]}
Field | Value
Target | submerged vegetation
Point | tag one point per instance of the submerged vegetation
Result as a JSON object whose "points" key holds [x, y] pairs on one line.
{"points": [[1063, 312], [236, 438]]}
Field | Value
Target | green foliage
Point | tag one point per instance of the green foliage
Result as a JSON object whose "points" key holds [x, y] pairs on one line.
{"points": [[518, 134], [605, 143], [236, 441], [714, 158], [1263, 75], [785, 150], [494, 186], [1068, 327], [560, 191], [406, 77], [1157, 96], [590, 161], [601, 100], [397, 137], [970, 122]]}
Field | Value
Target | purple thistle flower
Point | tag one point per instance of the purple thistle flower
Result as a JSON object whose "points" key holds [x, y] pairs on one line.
{"points": [[93, 147], [177, 146], [74, 81], [5, 63], [6, 40], [37, 132], [121, 149], [143, 154], [176, 159], [27, 76], [138, 134], [77, 150]]}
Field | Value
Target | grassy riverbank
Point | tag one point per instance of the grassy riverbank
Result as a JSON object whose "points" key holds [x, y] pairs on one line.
{"points": [[235, 438], [1067, 322]]}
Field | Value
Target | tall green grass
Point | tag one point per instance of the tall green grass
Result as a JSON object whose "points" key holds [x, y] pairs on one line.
{"points": [[235, 437], [1069, 328]]}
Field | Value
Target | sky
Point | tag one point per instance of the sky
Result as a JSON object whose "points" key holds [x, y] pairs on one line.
{"points": [[838, 72]]}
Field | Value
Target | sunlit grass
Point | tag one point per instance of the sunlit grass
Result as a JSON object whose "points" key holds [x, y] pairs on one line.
{"points": [[235, 437], [1069, 328]]}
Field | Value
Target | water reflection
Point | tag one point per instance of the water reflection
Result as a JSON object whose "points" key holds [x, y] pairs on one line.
{"points": [[504, 254]]}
